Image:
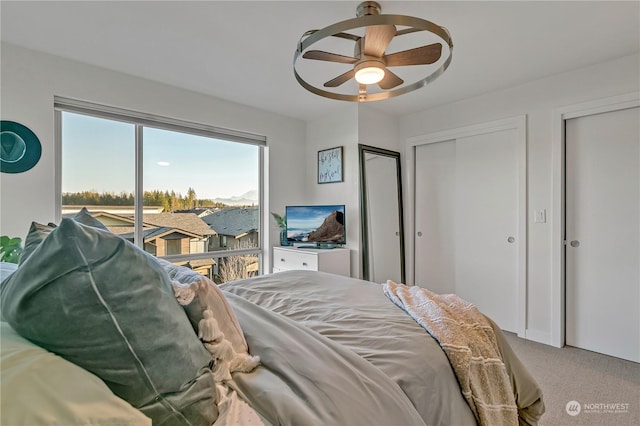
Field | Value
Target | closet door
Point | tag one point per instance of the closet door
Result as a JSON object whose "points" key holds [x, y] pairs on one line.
{"points": [[435, 201], [602, 233], [467, 222]]}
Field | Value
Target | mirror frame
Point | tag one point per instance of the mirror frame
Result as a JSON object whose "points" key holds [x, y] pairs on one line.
{"points": [[364, 219]]}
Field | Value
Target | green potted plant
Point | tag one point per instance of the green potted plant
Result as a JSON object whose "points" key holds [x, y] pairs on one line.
{"points": [[10, 249], [281, 220]]}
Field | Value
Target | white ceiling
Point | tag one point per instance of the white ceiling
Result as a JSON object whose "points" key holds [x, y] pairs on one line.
{"points": [[243, 50]]}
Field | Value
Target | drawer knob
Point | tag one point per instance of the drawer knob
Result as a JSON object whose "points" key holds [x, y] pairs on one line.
{"points": [[304, 263], [281, 260]]}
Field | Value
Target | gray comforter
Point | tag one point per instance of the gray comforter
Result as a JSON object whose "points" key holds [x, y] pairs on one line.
{"points": [[336, 350]]}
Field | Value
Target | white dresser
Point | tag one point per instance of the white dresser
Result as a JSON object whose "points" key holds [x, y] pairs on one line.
{"points": [[335, 261]]}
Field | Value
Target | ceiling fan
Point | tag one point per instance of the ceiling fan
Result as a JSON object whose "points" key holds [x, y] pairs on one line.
{"points": [[370, 62]]}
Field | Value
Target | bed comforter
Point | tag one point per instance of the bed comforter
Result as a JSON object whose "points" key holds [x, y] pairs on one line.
{"points": [[336, 350]]}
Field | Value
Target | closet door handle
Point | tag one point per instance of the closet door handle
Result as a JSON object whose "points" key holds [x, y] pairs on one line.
{"points": [[419, 234], [575, 243]]}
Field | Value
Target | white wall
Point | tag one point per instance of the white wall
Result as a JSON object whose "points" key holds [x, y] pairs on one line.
{"points": [[340, 128], [30, 80], [378, 129], [538, 100]]}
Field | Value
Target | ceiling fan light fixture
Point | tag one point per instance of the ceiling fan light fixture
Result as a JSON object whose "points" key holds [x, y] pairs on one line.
{"points": [[370, 61], [369, 72]]}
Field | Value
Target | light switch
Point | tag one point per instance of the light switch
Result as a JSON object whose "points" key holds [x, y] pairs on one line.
{"points": [[541, 216]]}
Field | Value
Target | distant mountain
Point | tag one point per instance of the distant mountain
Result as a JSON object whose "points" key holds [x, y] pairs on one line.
{"points": [[247, 199]]}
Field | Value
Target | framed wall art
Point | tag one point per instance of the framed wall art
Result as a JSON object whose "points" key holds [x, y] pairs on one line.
{"points": [[330, 165]]}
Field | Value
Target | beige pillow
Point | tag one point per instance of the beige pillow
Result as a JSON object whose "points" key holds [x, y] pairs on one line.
{"points": [[41, 388], [197, 293]]}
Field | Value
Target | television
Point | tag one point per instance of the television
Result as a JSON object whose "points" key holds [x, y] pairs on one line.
{"points": [[321, 226]]}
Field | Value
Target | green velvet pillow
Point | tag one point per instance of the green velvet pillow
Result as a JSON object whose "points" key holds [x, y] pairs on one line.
{"points": [[38, 232], [36, 235], [85, 218], [103, 304]]}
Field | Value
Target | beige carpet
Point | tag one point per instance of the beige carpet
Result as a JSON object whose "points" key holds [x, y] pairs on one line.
{"points": [[607, 389]]}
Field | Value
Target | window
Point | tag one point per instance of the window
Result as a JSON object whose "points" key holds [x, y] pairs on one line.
{"points": [[173, 246], [183, 191]]}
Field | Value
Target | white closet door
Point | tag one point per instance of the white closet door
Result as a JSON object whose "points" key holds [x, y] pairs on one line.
{"points": [[602, 231], [487, 225], [435, 187], [467, 222]]}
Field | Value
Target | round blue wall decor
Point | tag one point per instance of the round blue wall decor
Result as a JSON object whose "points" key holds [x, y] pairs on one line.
{"points": [[20, 148]]}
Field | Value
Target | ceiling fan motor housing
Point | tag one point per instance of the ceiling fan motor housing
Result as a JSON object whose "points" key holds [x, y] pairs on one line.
{"points": [[368, 8]]}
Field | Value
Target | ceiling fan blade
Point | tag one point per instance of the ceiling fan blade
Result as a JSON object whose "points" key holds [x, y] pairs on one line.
{"points": [[377, 38], [342, 78], [390, 80], [419, 56], [331, 57], [347, 36]]}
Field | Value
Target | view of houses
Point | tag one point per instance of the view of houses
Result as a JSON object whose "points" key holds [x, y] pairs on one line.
{"points": [[184, 232]]}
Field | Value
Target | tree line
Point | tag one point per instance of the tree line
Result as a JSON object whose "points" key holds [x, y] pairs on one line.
{"points": [[169, 200]]}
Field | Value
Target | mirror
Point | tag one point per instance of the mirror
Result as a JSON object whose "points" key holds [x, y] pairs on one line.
{"points": [[381, 211]]}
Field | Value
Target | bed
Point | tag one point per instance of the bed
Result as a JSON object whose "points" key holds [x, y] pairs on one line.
{"points": [[332, 349]]}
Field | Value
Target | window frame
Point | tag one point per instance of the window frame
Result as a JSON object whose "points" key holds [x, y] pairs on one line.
{"points": [[141, 120]]}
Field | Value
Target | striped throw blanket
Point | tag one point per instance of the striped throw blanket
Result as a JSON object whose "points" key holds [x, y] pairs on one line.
{"points": [[470, 343]]}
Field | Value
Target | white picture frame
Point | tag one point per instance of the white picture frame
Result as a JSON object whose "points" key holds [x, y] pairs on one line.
{"points": [[330, 165]]}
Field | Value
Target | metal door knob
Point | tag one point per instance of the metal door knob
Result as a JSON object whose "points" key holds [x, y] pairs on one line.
{"points": [[575, 243], [419, 234]]}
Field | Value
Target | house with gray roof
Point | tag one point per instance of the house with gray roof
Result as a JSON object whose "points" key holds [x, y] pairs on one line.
{"points": [[199, 211], [236, 227]]}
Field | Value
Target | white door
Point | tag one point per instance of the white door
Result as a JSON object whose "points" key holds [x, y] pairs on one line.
{"points": [[467, 222], [602, 233], [435, 186]]}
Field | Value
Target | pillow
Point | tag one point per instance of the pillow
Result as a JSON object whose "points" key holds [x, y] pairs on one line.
{"points": [[36, 235], [38, 232], [197, 293], [41, 388], [85, 218], [102, 303]]}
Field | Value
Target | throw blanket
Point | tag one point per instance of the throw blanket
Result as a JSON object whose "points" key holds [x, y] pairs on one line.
{"points": [[469, 342]]}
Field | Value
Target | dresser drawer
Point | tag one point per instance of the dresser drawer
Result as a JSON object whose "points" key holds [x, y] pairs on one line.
{"points": [[288, 260], [335, 261]]}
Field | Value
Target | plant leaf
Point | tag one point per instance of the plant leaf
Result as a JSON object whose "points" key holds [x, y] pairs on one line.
{"points": [[10, 249], [280, 220]]}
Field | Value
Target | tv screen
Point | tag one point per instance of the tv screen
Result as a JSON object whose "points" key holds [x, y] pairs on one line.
{"points": [[317, 225]]}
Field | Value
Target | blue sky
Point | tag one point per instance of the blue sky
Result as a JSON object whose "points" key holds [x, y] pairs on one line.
{"points": [[98, 154]]}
